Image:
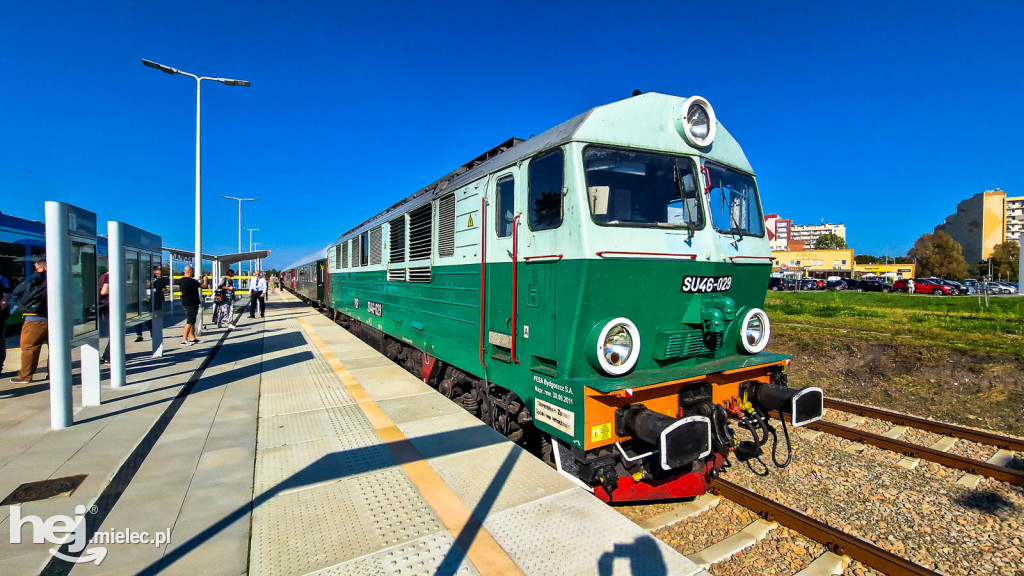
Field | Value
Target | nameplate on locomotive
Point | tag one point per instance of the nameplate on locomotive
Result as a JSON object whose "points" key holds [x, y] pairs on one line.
{"points": [[706, 284], [374, 308]]}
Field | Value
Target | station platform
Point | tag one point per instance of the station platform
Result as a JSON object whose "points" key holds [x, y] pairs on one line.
{"points": [[288, 446]]}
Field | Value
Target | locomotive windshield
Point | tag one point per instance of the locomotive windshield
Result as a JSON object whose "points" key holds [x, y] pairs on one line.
{"points": [[733, 202], [639, 189]]}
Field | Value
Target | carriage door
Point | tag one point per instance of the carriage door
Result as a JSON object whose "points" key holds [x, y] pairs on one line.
{"points": [[538, 258], [502, 191]]}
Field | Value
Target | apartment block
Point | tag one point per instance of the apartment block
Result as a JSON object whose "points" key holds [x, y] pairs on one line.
{"points": [[984, 220]]}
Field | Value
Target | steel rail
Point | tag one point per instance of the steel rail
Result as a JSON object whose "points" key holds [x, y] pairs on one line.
{"points": [[915, 451], [837, 542], [992, 439]]}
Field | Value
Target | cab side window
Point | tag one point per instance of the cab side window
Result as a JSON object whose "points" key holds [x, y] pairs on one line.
{"points": [[545, 199], [504, 211]]}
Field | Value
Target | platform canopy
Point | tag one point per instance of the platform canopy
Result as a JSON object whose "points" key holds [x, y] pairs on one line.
{"points": [[224, 259]]}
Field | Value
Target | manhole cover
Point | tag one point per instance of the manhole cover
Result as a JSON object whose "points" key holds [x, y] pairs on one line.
{"points": [[32, 491]]}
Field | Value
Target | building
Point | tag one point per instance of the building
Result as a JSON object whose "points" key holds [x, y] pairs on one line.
{"points": [[778, 231], [889, 270], [814, 263], [984, 220], [810, 233], [1014, 218]]}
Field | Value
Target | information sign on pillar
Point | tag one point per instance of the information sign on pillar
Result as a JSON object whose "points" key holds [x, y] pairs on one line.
{"points": [[71, 303], [136, 294]]}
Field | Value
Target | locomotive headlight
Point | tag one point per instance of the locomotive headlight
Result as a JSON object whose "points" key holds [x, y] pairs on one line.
{"points": [[697, 122], [755, 330], [616, 346]]}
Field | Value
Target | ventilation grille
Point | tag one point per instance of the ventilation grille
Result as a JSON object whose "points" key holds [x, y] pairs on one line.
{"points": [[337, 256], [396, 275], [344, 254], [420, 232], [375, 238], [420, 274], [355, 252], [446, 226], [397, 227], [684, 345]]}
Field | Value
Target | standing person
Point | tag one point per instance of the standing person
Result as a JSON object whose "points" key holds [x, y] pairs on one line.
{"points": [[32, 300], [910, 286], [224, 309], [103, 311], [191, 297], [257, 291], [156, 293], [5, 313]]}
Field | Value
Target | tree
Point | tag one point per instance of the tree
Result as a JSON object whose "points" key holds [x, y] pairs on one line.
{"points": [[865, 259], [829, 242], [939, 255], [1006, 260]]}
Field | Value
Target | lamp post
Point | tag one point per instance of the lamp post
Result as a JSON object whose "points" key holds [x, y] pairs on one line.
{"points": [[199, 217], [251, 265], [240, 200], [255, 246]]}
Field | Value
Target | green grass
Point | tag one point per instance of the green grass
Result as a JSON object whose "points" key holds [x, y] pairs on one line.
{"points": [[959, 323]]}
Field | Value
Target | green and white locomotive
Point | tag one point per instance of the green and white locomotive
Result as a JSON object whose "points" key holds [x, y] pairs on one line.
{"points": [[594, 293]]}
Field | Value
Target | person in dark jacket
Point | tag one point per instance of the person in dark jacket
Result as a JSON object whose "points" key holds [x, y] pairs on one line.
{"points": [[31, 295], [5, 313]]}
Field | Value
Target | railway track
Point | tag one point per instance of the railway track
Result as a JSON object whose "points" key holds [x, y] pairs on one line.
{"points": [[841, 547], [834, 540], [937, 453]]}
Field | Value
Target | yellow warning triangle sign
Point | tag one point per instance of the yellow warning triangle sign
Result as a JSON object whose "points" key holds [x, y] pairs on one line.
{"points": [[470, 220]]}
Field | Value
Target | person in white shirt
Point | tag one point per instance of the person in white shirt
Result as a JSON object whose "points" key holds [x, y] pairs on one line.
{"points": [[257, 294]]}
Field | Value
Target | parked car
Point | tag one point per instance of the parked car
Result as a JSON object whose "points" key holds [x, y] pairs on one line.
{"points": [[923, 286], [1008, 287], [873, 286], [958, 288], [836, 285], [781, 284], [811, 284]]}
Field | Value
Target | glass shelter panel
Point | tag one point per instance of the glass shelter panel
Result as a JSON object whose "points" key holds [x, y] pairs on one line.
{"points": [[83, 288], [131, 278]]}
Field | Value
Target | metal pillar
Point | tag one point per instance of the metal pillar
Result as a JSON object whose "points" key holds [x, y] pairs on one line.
{"points": [[118, 306], [59, 313]]}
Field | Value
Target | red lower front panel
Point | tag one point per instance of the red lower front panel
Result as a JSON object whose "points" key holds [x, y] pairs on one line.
{"points": [[685, 486]]}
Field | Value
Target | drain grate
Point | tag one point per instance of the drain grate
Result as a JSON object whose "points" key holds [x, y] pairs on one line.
{"points": [[44, 489]]}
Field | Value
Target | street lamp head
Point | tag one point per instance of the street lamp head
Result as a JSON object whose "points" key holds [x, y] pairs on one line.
{"points": [[231, 82], [161, 67]]}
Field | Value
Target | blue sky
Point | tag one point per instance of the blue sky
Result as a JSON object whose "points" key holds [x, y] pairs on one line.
{"points": [[879, 115]]}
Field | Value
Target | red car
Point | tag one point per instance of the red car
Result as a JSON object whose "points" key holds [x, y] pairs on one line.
{"points": [[923, 286]]}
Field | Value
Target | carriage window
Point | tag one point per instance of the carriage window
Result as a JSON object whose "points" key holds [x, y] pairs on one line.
{"points": [[733, 201], [504, 209], [364, 249], [637, 189], [545, 202]]}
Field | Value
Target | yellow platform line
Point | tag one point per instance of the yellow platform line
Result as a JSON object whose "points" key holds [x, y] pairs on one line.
{"points": [[484, 551]]}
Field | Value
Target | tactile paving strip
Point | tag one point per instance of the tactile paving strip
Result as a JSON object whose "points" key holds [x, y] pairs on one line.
{"points": [[310, 425], [573, 533], [435, 554], [295, 466], [327, 525], [311, 399]]}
